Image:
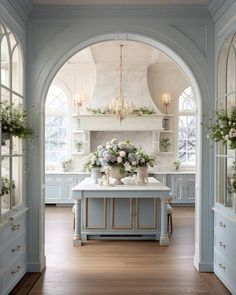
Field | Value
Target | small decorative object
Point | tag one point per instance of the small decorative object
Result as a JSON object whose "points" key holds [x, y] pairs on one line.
{"points": [[13, 122], [5, 183], [143, 161], [92, 164], [177, 164], [105, 180], [117, 173], [66, 165], [223, 128], [78, 146], [166, 100], [164, 144]]}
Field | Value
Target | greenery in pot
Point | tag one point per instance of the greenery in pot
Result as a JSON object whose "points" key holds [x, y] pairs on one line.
{"points": [[78, 145], [6, 185], [14, 120], [66, 165], [143, 159], [177, 164], [91, 161], [223, 128], [164, 144]]}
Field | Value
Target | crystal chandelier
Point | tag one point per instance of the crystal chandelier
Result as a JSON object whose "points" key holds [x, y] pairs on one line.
{"points": [[121, 107]]}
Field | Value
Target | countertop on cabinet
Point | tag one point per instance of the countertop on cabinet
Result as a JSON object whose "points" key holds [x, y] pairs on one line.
{"points": [[66, 173], [173, 172]]}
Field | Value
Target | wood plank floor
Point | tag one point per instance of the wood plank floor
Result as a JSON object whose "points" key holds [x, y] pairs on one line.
{"points": [[120, 267]]}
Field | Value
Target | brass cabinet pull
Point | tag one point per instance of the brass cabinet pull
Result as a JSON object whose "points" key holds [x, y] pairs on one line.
{"points": [[15, 271], [222, 245], [16, 249], [222, 224]]}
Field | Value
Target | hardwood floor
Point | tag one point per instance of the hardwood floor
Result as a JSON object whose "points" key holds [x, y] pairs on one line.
{"points": [[120, 267]]}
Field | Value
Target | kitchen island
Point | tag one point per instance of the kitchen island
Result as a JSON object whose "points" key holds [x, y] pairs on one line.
{"points": [[126, 211]]}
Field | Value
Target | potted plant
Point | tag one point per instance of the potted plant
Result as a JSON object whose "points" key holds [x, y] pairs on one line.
{"points": [[78, 146], [120, 156], [66, 165], [223, 128], [13, 122], [92, 164], [6, 187], [144, 161], [164, 144], [177, 164], [231, 187]]}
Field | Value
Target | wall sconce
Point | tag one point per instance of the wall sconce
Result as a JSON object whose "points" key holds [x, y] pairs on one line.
{"points": [[166, 99], [78, 103]]}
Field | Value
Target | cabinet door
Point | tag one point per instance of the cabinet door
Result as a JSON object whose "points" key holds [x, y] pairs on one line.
{"points": [[95, 215], [146, 213], [190, 188], [121, 213]]}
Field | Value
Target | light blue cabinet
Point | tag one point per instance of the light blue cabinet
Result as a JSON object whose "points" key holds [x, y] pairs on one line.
{"points": [[134, 217], [58, 187], [182, 186]]}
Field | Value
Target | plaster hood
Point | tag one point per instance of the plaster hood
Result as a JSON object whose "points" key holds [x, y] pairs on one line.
{"points": [[136, 61]]}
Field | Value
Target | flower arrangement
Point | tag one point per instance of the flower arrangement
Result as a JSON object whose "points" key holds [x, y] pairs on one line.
{"points": [[6, 185], [142, 111], [164, 144], [118, 154], [223, 128], [14, 120], [91, 161], [144, 159], [66, 165]]}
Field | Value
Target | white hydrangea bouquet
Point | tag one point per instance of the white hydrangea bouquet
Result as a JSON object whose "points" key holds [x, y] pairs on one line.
{"points": [[91, 161], [118, 154]]}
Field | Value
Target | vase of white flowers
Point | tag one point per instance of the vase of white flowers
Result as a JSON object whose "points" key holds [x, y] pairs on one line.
{"points": [[92, 164], [120, 156], [143, 162]]}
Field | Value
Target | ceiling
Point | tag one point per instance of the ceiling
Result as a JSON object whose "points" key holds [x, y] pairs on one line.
{"points": [[121, 2], [109, 53]]}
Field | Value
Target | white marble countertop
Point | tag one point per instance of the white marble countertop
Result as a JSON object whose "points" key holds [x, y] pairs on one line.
{"points": [[152, 185], [150, 172]]}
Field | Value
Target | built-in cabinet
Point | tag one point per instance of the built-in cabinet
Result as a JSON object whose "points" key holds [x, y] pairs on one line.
{"points": [[12, 194], [135, 217], [58, 186], [225, 193], [182, 186]]}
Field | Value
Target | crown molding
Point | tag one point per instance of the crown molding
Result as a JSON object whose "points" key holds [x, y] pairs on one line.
{"points": [[22, 8], [218, 7], [74, 11]]}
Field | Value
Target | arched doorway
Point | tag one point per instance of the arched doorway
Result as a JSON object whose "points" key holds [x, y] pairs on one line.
{"points": [[194, 83]]}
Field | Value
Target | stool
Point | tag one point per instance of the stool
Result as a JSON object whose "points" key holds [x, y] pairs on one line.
{"points": [[169, 218]]}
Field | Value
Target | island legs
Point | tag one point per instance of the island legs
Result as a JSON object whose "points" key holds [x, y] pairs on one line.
{"points": [[164, 239], [77, 241]]}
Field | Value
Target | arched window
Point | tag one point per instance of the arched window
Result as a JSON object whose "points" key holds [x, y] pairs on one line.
{"points": [[11, 94], [56, 128], [187, 127]]}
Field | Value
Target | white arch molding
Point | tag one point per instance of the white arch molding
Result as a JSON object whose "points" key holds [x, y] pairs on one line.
{"points": [[200, 260]]}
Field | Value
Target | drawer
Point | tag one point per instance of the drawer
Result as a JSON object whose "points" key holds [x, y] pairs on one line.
{"points": [[225, 228], [13, 274], [13, 250], [15, 228], [225, 247], [225, 271]]}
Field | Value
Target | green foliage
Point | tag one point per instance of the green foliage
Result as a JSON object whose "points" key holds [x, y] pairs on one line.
{"points": [[142, 111], [165, 144], [5, 183], [66, 164], [177, 164], [14, 120], [223, 128]]}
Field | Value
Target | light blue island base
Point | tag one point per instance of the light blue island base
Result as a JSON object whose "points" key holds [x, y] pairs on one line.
{"points": [[120, 212]]}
